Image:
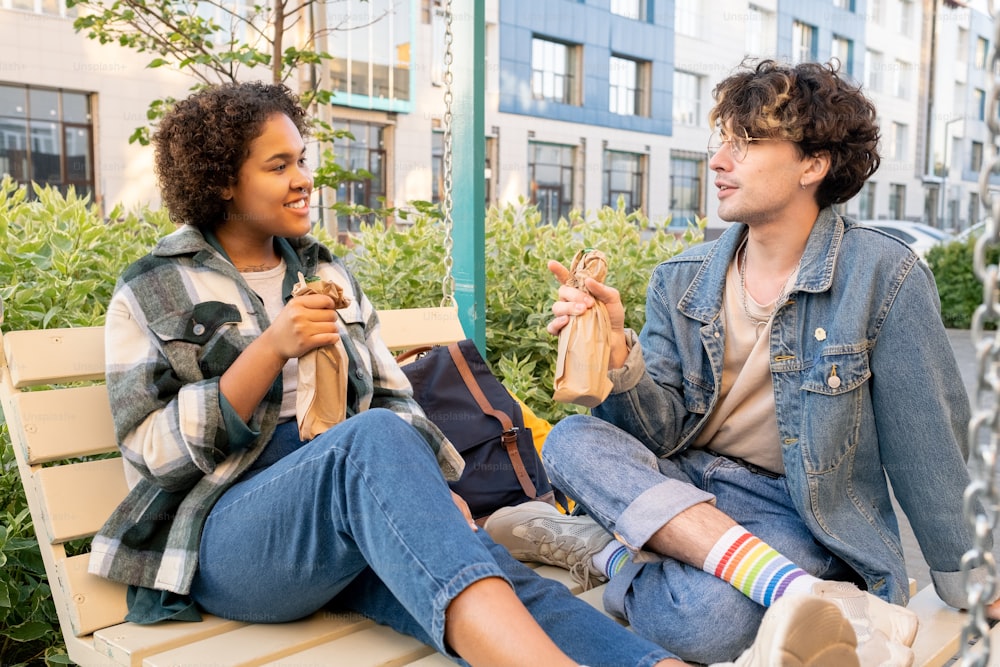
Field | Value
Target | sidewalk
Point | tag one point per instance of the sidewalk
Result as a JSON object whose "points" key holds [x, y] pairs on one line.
{"points": [[962, 344]]}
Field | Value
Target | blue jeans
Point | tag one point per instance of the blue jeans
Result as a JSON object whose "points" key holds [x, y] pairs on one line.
{"points": [[632, 493], [360, 518]]}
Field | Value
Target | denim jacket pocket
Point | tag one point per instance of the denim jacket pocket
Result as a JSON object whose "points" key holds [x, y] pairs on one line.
{"points": [[835, 393], [193, 340]]}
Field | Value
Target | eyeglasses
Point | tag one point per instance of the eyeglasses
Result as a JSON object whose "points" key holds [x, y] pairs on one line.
{"points": [[739, 144]]}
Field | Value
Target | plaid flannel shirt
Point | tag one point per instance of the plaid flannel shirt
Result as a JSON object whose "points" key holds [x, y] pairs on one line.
{"points": [[177, 320]]}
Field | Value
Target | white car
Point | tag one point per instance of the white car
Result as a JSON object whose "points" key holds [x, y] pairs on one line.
{"points": [[918, 235]]}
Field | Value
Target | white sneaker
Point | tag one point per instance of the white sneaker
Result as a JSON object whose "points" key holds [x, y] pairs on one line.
{"points": [[878, 651], [537, 532], [801, 631], [868, 613]]}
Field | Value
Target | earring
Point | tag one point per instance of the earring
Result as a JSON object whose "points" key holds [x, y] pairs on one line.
{"points": [[802, 185]]}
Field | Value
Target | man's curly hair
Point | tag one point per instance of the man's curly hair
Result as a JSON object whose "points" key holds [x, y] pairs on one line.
{"points": [[808, 104], [201, 143]]}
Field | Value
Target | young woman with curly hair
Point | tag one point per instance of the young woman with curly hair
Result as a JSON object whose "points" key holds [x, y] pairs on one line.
{"points": [[787, 373], [232, 513]]}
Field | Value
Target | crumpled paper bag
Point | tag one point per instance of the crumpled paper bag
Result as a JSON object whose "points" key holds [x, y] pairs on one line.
{"points": [[585, 343], [321, 395]]}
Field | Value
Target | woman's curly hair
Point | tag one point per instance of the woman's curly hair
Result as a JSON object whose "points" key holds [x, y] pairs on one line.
{"points": [[203, 140], [811, 105]]}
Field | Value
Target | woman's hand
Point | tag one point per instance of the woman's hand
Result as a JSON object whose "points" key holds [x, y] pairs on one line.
{"points": [[463, 507], [572, 302], [305, 323]]}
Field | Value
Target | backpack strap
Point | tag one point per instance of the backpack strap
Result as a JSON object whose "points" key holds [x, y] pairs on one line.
{"points": [[509, 437]]}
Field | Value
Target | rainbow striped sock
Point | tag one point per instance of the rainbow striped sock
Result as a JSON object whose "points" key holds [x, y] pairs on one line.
{"points": [[754, 568], [611, 558]]}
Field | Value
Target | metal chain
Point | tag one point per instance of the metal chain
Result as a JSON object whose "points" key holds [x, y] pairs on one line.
{"points": [[981, 498], [448, 282]]}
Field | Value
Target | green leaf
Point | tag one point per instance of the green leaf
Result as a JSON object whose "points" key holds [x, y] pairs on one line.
{"points": [[28, 631]]}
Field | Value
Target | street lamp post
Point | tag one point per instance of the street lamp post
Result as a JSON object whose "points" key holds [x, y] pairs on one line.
{"points": [[945, 168]]}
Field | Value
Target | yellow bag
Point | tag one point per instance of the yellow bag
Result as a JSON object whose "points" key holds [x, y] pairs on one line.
{"points": [[585, 343], [321, 394]]}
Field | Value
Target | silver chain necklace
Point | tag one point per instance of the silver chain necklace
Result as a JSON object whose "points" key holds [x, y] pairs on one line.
{"points": [[758, 323]]}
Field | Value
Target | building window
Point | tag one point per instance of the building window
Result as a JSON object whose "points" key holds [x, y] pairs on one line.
{"points": [[873, 71], [47, 7], [803, 42], [630, 9], [551, 171], [898, 141], [982, 53], [759, 34], [979, 103], [371, 54], [437, 165], [687, 98], [365, 153], [903, 80], [844, 4], [906, 21], [687, 187], [866, 201], [46, 137], [624, 176], [553, 71], [842, 49], [687, 18], [897, 201], [976, 157], [973, 208], [626, 79], [875, 11]]}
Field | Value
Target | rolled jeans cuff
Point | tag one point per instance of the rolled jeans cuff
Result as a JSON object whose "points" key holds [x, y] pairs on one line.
{"points": [[651, 510], [451, 589]]}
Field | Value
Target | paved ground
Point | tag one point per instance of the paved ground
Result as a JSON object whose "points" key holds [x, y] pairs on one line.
{"points": [[962, 344]]}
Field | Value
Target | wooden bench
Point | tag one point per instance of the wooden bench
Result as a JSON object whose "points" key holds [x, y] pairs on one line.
{"points": [[57, 411]]}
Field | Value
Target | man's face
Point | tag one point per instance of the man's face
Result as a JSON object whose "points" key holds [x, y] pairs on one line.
{"points": [[758, 179]]}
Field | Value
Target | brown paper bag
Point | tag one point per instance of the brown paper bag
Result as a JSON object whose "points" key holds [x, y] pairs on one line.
{"points": [[585, 343], [321, 395]]}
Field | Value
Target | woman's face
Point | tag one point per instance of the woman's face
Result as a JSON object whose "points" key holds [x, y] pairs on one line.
{"points": [[271, 194]]}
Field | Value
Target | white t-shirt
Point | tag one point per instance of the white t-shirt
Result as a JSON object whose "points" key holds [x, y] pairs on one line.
{"points": [[267, 285]]}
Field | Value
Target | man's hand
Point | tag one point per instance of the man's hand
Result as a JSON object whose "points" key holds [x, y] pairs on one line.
{"points": [[573, 301], [993, 611]]}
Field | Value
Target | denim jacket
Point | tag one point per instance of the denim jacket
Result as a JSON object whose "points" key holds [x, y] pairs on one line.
{"points": [[864, 310]]}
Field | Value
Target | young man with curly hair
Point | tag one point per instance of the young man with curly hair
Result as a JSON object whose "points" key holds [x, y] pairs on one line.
{"points": [[232, 513], [783, 373]]}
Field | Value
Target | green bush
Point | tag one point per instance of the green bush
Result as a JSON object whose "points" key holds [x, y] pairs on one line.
{"points": [[960, 290], [403, 267], [58, 262]]}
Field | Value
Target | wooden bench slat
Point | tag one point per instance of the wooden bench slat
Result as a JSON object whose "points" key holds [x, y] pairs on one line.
{"points": [[940, 628], [96, 602], [72, 514], [65, 423], [402, 329], [260, 643], [377, 646], [53, 356], [128, 644]]}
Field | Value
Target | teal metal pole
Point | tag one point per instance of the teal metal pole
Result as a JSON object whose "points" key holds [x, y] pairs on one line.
{"points": [[469, 166]]}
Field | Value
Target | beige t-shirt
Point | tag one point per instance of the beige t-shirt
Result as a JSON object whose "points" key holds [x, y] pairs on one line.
{"points": [[744, 424]]}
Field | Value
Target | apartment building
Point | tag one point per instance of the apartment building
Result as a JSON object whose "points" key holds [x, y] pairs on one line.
{"points": [[587, 102]]}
